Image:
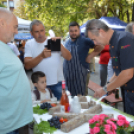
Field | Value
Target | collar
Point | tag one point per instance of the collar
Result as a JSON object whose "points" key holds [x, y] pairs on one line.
{"points": [[113, 37]]}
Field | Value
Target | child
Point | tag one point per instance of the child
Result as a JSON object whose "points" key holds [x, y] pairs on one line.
{"points": [[41, 92]]}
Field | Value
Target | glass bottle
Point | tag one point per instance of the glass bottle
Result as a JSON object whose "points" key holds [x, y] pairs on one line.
{"points": [[64, 101], [117, 93]]}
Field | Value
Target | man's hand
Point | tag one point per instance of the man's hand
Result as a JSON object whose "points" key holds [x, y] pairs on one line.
{"points": [[46, 53], [55, 38], [99, 92]]}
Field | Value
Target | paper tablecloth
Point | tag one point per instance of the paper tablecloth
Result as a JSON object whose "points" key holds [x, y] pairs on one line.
{"points": [[83, 129]]}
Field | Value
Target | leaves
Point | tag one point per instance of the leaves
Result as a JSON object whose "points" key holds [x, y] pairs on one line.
{"points": [[43, 126], [2, 5], [37, 110], [57, 14]]}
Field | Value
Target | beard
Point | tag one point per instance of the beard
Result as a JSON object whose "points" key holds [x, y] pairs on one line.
{"points": [[74, 38]]}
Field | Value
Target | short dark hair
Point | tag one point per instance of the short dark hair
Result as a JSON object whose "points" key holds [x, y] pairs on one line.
{"points": [[74, 24], [95, 25], [36, 75]]}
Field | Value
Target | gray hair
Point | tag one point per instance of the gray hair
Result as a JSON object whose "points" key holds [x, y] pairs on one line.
{"points": [[35, 22], [86, 32], [95, 25], [129, 27]]}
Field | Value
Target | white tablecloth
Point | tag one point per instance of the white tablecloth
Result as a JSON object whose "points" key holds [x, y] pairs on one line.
{"points": [[83, 129]]}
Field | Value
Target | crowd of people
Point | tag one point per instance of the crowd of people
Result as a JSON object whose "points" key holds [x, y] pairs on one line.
{"points": [[115, 49]]}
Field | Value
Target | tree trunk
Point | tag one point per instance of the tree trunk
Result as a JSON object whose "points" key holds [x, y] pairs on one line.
{"points": [[128, 20], [133, 13]]}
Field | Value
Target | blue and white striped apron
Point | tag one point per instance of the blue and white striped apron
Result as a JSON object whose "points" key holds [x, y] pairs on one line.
{"points": [[74, 73]]}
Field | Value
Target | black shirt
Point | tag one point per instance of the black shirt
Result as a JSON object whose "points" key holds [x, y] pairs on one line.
{"points": [[122, 54]]}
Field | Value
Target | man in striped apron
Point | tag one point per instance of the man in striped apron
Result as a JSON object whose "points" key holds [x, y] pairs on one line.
{"points": [[75, 71], [122, 55]]}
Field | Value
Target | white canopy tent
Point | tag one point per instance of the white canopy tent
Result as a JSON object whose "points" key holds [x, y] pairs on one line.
{"points": [[23, 25], [23, 30]]}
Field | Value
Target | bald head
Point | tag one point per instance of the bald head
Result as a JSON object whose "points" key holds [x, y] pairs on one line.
{"points": [[5, 14], [8, 25]]}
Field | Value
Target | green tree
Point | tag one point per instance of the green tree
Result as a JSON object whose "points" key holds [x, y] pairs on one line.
{"points": [[20, 10], [57, 14], [2, 5]]}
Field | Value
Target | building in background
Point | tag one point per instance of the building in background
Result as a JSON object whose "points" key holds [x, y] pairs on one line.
{"points": [[12, 3]]}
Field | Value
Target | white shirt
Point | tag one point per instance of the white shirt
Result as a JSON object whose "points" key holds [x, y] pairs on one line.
{"points": [[51, 66], [110, 70], [14, 48], [44, 96]]}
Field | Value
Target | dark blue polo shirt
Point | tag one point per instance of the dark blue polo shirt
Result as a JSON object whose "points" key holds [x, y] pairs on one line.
{"points": [[84, 44], [122, 54]]}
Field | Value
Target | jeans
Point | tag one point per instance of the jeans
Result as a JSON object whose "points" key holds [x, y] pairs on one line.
{"points": [[129, 102], [123, 97], [56, 90], [103, 74], [14, 132]]}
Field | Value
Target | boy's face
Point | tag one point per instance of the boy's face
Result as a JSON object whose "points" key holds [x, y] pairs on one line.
{"points": [[41, 84]]}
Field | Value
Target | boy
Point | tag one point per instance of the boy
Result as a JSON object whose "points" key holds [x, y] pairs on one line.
{"points": [[41, 92]]}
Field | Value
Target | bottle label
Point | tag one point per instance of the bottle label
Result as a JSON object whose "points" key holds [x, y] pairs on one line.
{"points": [[62, 109], [67, 107]]}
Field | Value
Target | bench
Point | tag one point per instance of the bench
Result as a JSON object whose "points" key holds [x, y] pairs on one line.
{"points": [[110, 99]]}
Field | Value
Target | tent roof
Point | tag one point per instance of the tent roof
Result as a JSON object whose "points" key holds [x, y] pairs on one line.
{"points": [[112, 22], [23, 22]]}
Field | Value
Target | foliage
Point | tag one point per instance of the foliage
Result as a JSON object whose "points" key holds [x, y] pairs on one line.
{"points": [[19, 11], [2, 5], [39, 111], [121, 8], [57, 14], [101, 124], [43, 126]]}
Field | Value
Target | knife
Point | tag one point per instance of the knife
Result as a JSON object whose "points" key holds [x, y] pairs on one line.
{"points": [[102, 97]]}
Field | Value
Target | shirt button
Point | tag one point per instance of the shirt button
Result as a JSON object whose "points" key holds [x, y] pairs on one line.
{"points": [[113, 66], [125, 85], [112, 46], [117, 67]]}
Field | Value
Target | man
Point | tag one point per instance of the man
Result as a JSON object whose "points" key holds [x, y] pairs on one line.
{"points": [[122, 53], [130, 28], [15, 94], [14, 48], [39, 58], [76, 70]]}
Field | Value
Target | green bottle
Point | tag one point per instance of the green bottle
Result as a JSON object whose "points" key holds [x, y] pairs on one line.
{"points": [[117, 93]]}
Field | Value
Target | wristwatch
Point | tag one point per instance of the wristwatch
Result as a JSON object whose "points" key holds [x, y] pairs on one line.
{"points": [[105, 88]]}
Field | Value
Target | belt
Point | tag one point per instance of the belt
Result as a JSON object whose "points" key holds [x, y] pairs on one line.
{"points": [[130, 91]]}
